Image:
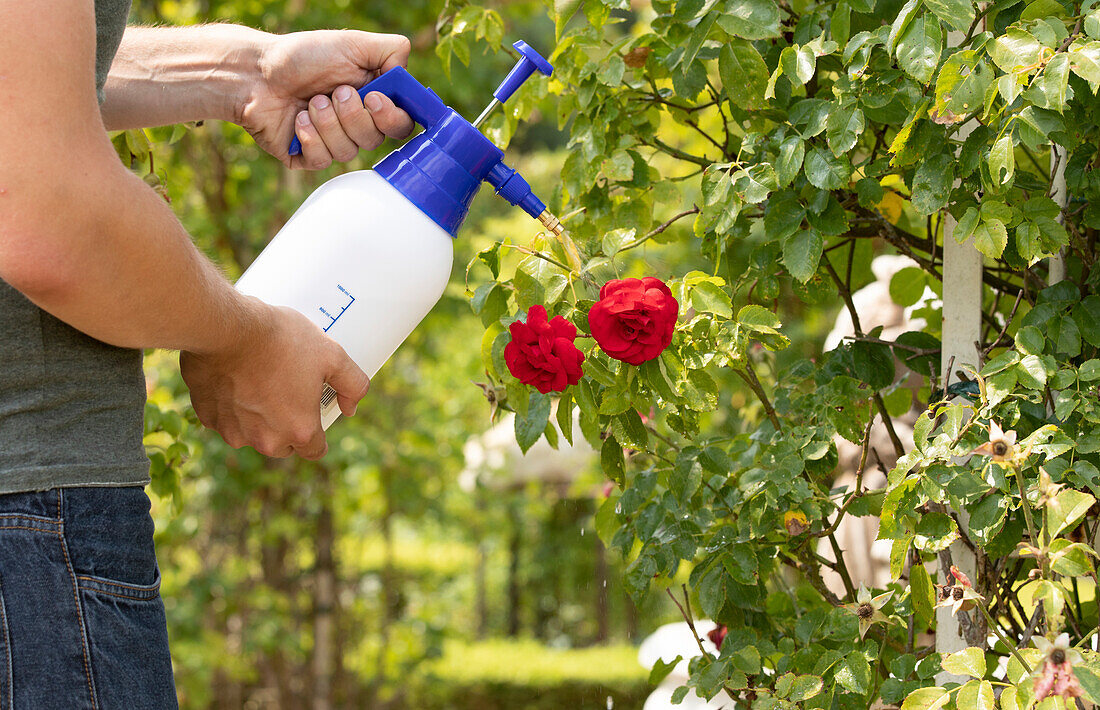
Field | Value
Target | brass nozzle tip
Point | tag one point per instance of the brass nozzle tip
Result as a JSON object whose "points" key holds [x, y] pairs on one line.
{"points": [[551, 222]]}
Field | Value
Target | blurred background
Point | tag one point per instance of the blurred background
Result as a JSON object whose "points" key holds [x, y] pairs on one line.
{"points": [[395, 573]]}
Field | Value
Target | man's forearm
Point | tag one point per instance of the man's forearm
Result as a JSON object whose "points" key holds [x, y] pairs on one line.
{"points": [[105, 254], [165, 75]]}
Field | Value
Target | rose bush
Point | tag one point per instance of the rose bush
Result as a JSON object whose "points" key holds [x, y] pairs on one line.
{"points": [[766, 152], [634, 319]]}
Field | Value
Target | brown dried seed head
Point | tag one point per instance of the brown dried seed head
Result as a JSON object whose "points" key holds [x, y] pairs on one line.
{"points": [[957, 593], [1058, 656], [1000, 448], [865, 611]]}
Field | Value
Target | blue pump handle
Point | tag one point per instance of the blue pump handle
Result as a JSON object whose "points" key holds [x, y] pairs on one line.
{"points": [[407, 94], [529, 61]]}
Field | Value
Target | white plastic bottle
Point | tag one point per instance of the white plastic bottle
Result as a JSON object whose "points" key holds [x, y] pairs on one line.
{"points": [[369, 253], [364, 263]]}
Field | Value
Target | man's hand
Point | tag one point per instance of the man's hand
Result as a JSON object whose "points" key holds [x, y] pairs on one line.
{"points": [[307, 85], [265, 391]]}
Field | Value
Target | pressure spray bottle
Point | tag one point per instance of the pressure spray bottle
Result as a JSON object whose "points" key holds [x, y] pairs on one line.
{"points": [[369, 253]]}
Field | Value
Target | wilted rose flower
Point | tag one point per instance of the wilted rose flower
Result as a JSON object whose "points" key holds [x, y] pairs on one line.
{"points": [[717, 635], [1055, 676], [542, 352]]}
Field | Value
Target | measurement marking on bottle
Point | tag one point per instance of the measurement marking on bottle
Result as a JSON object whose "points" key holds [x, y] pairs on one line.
{"points": [[333, 318]]}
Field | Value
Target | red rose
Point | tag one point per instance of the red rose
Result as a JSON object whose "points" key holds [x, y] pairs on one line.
{"points": [[542, 353], [634, 319], [717, 635]]}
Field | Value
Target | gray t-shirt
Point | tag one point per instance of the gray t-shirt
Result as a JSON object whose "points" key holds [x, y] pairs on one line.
{"points": [[70, 406]]}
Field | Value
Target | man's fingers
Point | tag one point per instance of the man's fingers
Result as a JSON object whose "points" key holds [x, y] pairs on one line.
{"points": [[349, 381], [310, 442], [356, 119], [323, 117], [315, 155], [389, 119]]}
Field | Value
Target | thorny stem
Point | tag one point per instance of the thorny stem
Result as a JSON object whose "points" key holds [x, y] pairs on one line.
{"points": [[1001, 635], [866, 447], [1025, 506], [846, 294], [749, 376]]}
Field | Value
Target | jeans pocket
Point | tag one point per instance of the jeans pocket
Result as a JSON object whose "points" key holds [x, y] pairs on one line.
{"points": [[6, 693], [128, 644]]}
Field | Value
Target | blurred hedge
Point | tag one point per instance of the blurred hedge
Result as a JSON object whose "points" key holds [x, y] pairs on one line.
{"points": [[504, 675]]}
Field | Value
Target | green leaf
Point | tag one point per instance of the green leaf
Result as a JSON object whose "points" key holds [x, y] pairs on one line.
{"points": [[935, 532], [750, 19], [961, 86], [783, 215], [1015, 49], [789, 161], [975, 695], [1084, 60], [991, 238], [798, 64], [1072, 559], [844, 127], [611, 460], [805, 687], [922, 593], [1067, 509], [709, 297], [854, 673], [1030, 340], [957, 13], [919, 48], [1049, 88], [744, 74], [1002, 159], [969, 661], [932, 183], [1087, 316], [802, 253], [901, 24], [756, 317], [926, 699], [563, 10], [826, 171], [611, 71], [530, 427], [1032, 372], [564, 414], [907, 286], [614, 240], [685, 478], [661, 669]]}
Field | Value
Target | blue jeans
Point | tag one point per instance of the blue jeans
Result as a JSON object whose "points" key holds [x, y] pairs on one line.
{"points": [[82, 623]]}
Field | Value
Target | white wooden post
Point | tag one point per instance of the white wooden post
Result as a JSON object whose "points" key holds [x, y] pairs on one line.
{"points": [[962, 320], [1058, 158]]}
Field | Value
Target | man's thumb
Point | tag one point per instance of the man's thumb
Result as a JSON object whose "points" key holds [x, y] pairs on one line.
{"points": [[349, 381], [381, 52]]}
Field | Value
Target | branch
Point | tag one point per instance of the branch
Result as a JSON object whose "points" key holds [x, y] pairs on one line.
{"points": [[661, 228], [749, 376]]}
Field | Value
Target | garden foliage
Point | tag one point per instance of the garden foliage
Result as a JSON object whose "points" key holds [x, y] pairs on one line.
{"points": [[755, 155]]}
